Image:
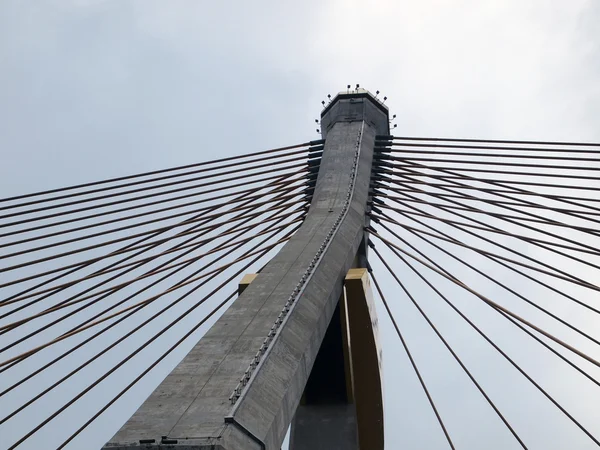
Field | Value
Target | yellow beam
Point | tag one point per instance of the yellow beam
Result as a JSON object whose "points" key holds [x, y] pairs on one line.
{"points": [[365, 359], [245, 282]]}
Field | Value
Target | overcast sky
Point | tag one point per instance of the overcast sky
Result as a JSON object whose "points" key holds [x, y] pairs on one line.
{"points": [[93, 89]]}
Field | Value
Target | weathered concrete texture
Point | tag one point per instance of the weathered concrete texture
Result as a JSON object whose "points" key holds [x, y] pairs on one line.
{"points": [[324, 427], [234, 438], [193, 400]]}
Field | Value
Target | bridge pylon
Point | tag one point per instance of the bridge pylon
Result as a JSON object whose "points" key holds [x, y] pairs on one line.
{"points": [[287, 350]]}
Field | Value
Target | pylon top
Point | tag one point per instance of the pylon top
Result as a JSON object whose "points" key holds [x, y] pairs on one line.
{"points": [[354, 105]]}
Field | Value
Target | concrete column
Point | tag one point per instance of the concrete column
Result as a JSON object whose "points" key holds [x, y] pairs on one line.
{"points": [[191, 408]]}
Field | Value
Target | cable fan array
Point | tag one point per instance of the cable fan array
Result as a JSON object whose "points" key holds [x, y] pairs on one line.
{"points": [[115, 279], [497, 233], [482, 252]]}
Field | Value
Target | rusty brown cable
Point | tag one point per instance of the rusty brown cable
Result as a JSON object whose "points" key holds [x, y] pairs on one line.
{"points": [[591, 249], [189, 243], [195, 234], [446, 344], [120, 219], [534, 241], [121, 239], [469, 208], [223, 267], [140, 348], [238, 245], [129, 208], [491, 256], [132, 310], [501, 202], [513, 189], [564, 275], [118, 303], [212, 172], [517, 324], [485, 299], [480, 227], [270, 165], [156, 172], [107, 292], [139, 377], [199, 220], [489, 201], [518, 202], [499, 283], [290, 170], [188, 280], [126, 247], [491, 342], [497, 141], [504, 183], [413, 169], [114, 230], [65, 304], [413, 364]]}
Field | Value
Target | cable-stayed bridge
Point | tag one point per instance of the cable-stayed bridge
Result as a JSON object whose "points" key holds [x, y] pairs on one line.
{"points": [[470, 247]]}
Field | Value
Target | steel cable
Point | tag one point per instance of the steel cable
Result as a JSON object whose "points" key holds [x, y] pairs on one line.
{"points": [[155, 172], [443, 195], [517, 324], [140, 348], [186, 281], [489, 201], [481, 227], [181, 246], [491, 342], [136, 183], [469, 208], [502, 285], [139, 306], [78, 267], [446, 344], [533, 241], [118, 240], [417, 148], [495, 141], [560, 273], [154, 211], [65, 304], [456, 281], [413, 364], [491, 256], [196, 231], [493, 163], [235, 178]]}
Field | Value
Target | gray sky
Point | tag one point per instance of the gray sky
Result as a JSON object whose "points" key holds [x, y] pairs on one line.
{"points": [[92, 89]]}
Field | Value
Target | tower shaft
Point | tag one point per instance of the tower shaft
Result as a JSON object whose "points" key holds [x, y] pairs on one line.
{"points": [[295, 295]]}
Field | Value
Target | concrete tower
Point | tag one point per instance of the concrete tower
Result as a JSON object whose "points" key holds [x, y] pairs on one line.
{"points": [[287, 350]]}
